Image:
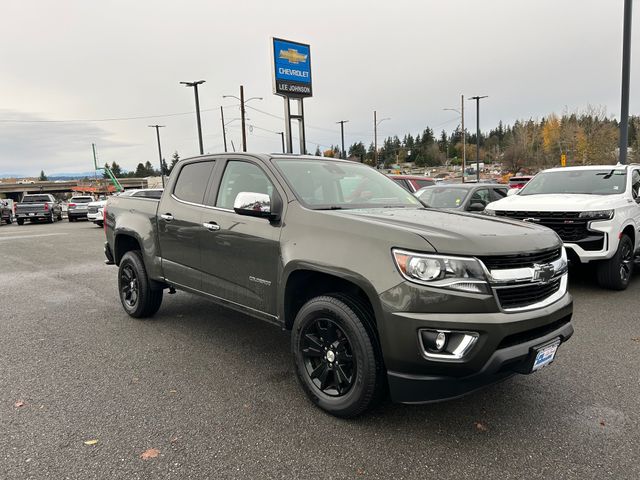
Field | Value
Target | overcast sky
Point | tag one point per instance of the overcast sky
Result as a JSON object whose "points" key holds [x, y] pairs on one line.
{"points": [[89, 60]]}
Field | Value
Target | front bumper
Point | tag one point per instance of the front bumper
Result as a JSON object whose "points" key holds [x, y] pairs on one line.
{"points": [[504, 347], [94, 217]]}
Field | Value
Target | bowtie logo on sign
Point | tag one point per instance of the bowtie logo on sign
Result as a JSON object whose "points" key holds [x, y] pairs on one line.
{"points": [[293, 56]]}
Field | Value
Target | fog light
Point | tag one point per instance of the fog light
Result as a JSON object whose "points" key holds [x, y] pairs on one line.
{"points": [[441, 339]]}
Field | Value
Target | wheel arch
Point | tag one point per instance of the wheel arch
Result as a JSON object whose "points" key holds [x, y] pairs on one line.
{"points": [[304, 281], [124, 243], [630, 231]]}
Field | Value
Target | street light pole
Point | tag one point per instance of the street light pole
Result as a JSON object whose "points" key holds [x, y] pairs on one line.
{"points": [[342, 122], [195, 88], [224, 133], [375, 138], [477, 99], [376, 122], [158, 127], [626, 78]]}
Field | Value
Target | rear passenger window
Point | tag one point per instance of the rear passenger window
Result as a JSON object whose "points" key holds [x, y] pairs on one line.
{"points": [[193, 181]]}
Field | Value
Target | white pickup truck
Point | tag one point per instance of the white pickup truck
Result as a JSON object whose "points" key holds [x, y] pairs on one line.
{"points": [[594, 209]]}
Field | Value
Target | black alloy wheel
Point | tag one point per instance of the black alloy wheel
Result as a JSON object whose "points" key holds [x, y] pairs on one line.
{"points": [[626, 262], [140, 296], [328, 357], [129, 286], [615, 273], [337, 357]]}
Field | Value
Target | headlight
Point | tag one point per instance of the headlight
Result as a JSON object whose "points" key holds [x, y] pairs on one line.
{"points": [[456, 273], [597, 215], [491, 213]]}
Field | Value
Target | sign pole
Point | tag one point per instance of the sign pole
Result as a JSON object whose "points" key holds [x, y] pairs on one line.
{"points": [[292, 80]]}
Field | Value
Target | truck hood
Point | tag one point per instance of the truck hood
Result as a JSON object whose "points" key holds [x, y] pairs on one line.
{"points": [[461, 233], [557, 202]]}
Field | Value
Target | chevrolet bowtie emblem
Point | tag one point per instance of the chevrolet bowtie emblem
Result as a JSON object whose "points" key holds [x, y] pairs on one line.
{"points": [[293, 56]]}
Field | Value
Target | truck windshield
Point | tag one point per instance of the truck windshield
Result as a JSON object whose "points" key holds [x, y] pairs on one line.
{"points": [[609, 181], [36, 199], [443, 197], [324, 184]]}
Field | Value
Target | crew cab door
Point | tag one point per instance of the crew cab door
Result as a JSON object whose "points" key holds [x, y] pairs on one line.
{"points": [[180, 223], [240, 254]]}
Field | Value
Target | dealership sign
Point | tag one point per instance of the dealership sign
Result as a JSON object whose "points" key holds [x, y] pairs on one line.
{"points": [[292, 68]]}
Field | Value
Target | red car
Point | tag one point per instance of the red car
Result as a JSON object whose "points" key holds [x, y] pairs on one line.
{"points": [[412, 183], [519, 181]]}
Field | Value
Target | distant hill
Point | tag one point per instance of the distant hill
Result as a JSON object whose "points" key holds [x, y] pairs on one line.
{"points": [[53, 176]]}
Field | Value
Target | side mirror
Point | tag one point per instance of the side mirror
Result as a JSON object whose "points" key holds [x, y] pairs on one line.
{"points": [[476, 207], [253, 205]]}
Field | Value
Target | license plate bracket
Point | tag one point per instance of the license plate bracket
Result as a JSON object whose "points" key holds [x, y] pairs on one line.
{"points": [[544, 355]]}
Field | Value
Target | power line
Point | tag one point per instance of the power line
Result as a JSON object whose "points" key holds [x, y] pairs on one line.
{"points": [[113, 119]]}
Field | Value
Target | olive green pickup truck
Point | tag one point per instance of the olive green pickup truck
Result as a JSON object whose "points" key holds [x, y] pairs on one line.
{"points": [[381, 294]]}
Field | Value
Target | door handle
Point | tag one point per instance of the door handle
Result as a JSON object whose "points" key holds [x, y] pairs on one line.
{"points": [[211, 226], [166, 216]]}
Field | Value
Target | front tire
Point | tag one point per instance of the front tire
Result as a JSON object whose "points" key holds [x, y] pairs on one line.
{"points": [[139, 297], [20, 221], [337, 361], [615, 273]]}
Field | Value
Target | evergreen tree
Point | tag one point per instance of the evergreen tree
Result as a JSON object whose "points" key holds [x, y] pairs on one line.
{"points": [[116, 169], [318, 152], [104, 172], [148, 169], [175, 158], [140, 171], [165, 167], [42, 177]]}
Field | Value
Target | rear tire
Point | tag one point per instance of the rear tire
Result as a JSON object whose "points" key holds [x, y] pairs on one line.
{"points": [[71, 219], [100, 224], [615, 273], [51, 218], [139, 296], [337, 360], [20, 221]]}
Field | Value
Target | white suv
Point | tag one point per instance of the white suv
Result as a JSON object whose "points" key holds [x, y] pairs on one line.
{"points": [[594, 210]]}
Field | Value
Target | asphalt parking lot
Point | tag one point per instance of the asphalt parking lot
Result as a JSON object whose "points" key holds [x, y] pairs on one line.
{"points": [[214, 395]]}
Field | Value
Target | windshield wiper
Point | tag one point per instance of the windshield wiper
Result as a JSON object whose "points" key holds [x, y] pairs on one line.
{"points": [[330, 207]]}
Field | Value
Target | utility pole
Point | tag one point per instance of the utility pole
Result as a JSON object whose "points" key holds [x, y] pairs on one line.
{"points": [[477, 99], [242, 113], [158, 127], [626, 78], [281, 138], [464, 141], [342, 122], [224, 133], [195, 88]]}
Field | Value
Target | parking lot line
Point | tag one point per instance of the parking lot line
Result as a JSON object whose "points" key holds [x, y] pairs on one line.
{"points": [[19, 237]]}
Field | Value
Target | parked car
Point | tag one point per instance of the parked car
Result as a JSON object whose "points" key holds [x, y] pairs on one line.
{"points": [[376, 290], [42, 206], [6, 211], [593, 209], [412, 183], [95, 211], [78, 206], [517, 182], [469, 197]]}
